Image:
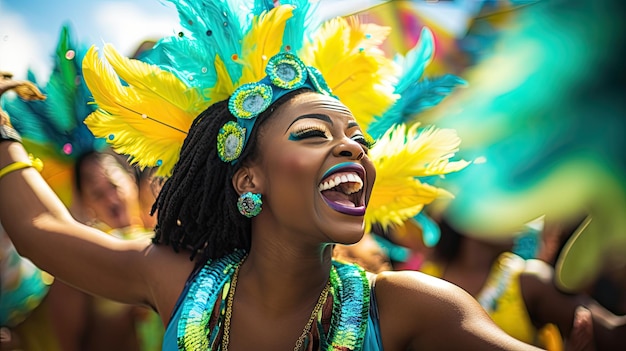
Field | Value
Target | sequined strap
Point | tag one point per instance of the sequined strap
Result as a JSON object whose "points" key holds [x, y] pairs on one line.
{"points": [[350, 289], [193, 332], [340, 326]]}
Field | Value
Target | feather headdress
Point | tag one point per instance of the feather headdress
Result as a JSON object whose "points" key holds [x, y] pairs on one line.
{"points": [[54, 128], [145, 108]]}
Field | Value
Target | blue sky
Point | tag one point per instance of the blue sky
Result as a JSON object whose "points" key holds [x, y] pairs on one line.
{"points": [[29, 29]]}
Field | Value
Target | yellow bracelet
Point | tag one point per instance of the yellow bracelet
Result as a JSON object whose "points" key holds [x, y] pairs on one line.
{"points": [[33, 162]]}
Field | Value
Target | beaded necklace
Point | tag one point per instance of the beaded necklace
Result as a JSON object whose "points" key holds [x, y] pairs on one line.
{"points": [[197, 330]]}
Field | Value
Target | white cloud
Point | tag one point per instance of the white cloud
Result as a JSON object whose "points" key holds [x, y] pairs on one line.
{"points": [[126, 25], [20, 48]]}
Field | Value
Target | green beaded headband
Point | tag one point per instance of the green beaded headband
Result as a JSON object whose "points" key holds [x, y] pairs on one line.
{"points": [[285, 73]]}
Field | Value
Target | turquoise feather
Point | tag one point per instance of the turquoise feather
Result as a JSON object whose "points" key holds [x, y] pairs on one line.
{"points": [[261, 6], [197, 70], [62, 88], [58, 120], [417, 97], [415, 61], [216, 27], [218, 31], [297, 25]]}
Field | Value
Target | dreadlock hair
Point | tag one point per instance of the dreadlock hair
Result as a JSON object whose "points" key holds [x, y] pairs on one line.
{"points": [[197, 206]]}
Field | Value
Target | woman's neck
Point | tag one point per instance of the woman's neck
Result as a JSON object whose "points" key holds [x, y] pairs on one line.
{"points": [[282, 278]]}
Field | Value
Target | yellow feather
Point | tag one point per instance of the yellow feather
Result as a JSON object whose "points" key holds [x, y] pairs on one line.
{"points": [[418, 153], [355, 69], [393, 201], [147, 119], [224, 87], [263, 41], [400, 156], [366, 35]]}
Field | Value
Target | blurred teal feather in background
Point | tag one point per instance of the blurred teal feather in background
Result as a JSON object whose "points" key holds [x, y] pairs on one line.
{"points": [[545, 119]]}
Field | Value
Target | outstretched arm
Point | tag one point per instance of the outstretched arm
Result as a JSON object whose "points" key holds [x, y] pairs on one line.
{"points": [[42, 229]]}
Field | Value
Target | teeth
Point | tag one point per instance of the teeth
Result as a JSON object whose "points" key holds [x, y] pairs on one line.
{"points": [[352, 181]]}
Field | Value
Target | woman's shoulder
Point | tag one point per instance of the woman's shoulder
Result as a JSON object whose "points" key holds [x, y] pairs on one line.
{"points": [[168, 272], [404, 286], [413, 305], [420, 298]]}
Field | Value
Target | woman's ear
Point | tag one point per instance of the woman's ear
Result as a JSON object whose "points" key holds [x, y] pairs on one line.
{"points": [[246, 179]]}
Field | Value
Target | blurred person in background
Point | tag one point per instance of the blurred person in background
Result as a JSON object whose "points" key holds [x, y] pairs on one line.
{"points": [[98, 187], [163, 296], [24, 302], [518, 292], [108, 195]]}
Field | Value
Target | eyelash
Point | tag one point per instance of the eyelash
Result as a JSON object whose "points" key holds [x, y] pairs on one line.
{"points": [[307, 132], [364, 140], [317, 132]]}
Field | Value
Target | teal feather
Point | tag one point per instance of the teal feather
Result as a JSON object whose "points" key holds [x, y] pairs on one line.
{"points": [[431, 233], [62, 88], [197, 70], [261, 6], [415, 61], [216, 27], [417, 97], [58, 120], [24, 115], [297, 25]]}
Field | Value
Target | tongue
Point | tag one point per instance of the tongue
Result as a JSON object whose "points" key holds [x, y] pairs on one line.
{"points": [[338, 198]]}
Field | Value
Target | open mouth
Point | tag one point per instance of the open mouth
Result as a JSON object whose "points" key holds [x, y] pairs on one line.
{"points": [[342, 188]]}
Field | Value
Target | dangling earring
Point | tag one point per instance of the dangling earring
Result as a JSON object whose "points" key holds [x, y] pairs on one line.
{"points": [[249, 204]]}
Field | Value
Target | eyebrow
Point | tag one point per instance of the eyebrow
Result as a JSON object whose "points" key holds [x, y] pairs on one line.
{"points": [[319, 116], [352, 124]]}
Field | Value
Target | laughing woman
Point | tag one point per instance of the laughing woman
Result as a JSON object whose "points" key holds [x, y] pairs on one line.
{"points": [[274, 170]]}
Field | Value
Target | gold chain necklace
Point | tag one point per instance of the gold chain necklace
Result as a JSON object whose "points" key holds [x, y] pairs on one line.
{"points": [[229, 313]]}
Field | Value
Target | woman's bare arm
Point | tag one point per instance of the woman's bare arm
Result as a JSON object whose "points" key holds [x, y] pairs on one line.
{"points": [[42, 229], [420, 312]]}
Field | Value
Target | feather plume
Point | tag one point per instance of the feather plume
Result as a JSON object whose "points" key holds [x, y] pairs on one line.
{"points": [[224, 86], [355, 69], [196, 70], [416, 98], [57, 122], [215, 25], [260, 43], [54, 129], [261, 6], [401, 156], [62, 84], [300, 21], [416, 60], [224, 50], [148, 117]]}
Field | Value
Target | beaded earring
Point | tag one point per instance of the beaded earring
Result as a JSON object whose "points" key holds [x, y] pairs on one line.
{"points": [[249, 204]]}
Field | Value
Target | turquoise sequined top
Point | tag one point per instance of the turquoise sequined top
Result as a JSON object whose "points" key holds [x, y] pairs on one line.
{"points": [[195, 324]]}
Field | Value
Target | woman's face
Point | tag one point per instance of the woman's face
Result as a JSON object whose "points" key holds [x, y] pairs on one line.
{"points": [[316, 174], [108, 191]]}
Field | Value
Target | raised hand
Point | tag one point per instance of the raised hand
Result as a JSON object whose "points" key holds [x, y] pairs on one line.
{"points": [[24, 89]]}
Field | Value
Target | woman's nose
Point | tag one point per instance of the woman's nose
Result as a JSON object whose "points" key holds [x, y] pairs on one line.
{"points": [[350, 149]]}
